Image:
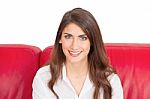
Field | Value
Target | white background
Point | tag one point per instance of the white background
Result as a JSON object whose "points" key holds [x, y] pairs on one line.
{"points": [[35, 22]]}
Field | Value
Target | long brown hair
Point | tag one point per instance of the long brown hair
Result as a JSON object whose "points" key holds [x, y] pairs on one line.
{"points": [[99, 67]]}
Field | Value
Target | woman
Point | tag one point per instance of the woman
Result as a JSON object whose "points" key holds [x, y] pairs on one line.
{"points": [[79, 68]]}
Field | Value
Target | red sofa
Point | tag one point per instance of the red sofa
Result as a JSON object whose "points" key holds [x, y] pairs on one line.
{"points": [[19, 63]]}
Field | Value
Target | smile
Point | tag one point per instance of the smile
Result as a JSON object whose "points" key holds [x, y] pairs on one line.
{"points": [[75, 53]]}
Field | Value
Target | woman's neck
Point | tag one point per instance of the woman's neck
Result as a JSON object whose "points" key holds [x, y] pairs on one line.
{"points": [[77, 74], [76, 69]]}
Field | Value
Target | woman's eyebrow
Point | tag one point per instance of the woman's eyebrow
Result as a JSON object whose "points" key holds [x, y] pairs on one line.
{"points": [[67, 33], [83, 35]]}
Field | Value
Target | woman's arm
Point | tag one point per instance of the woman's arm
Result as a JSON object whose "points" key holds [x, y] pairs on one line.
{"points": [[117, 90], [40, 85]]}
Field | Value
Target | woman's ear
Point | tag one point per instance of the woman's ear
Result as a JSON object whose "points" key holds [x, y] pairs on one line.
{"points": [[60, 41]]}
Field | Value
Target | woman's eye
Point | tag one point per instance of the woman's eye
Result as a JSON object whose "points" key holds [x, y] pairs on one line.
{"points": [[67, 36], [83, 38]]}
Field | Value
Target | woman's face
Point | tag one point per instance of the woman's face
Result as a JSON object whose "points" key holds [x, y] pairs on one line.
{"points": [[75, 44]]}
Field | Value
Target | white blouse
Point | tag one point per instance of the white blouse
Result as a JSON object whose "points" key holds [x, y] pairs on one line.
{"points": [[65, 90]]}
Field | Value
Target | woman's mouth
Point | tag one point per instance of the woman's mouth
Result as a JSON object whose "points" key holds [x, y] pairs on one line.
{"points": [[74, 53]]}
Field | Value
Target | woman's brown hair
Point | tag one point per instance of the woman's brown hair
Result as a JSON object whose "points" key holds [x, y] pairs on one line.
{"points": [[99, 67]]}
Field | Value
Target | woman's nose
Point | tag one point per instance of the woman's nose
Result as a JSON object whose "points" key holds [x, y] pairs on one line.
{"points": [[75, 44]]}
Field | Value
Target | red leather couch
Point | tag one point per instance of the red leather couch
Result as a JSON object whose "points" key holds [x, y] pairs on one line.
{"points": [[19, 63]]}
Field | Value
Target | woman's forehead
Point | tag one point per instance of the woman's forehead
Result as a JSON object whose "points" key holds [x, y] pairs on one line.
{"points": [[73, 29]]}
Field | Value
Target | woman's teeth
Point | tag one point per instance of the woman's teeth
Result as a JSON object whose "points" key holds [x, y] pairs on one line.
{"points": [[74, 53]]}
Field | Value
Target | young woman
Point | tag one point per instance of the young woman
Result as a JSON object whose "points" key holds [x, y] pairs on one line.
{"points": [[79, 68]]}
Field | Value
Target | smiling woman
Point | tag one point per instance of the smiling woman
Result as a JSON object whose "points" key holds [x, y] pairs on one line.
{"points": [[79, 68]]}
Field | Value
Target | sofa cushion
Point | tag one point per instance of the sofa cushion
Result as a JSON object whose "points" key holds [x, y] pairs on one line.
{"points": [[46, 56], [18, 65]]}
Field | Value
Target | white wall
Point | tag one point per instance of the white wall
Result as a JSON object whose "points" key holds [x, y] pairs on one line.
{"points": [[35, 22]]}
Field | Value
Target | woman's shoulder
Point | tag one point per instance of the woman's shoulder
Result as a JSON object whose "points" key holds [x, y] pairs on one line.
{"points": [[43, 73], [40, 83], [113, 76], [114, 80], [44, 69]]}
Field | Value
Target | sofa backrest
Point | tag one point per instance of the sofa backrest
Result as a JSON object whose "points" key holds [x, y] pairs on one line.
{"points": [[18, 65], [132, 63]]}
